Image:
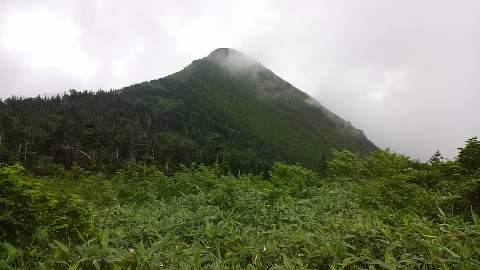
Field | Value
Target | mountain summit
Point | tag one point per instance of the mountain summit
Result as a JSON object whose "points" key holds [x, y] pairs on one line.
{"points": [[225, 53], [236, 61], [231, 58], [224, 108], [253, 96]]}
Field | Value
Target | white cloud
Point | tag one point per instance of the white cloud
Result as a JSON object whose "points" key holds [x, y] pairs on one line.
{"points": [[406, 72], [46, 41]]}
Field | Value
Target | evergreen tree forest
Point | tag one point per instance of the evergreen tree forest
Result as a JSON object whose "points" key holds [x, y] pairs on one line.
{"points": [[105, 130]]}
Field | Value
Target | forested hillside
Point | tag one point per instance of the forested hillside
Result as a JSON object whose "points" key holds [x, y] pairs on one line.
{"points": [[224, 108]]}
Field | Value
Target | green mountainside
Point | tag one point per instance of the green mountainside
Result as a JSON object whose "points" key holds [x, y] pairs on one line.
{"points": [[224, 108]]}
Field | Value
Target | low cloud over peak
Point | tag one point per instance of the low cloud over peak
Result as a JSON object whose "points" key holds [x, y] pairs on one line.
{"points": [[235, 61], [406, 72]]}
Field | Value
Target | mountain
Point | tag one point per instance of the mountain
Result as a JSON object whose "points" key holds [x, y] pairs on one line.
{"points": [[224, 108]]}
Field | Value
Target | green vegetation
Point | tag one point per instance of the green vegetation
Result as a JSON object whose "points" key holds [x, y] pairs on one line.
{"points": [[115, 180], [204, 113], [383, 211]]}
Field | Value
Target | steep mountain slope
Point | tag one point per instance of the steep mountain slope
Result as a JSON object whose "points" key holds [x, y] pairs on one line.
{"points": [[269, 107], [224, 108]]}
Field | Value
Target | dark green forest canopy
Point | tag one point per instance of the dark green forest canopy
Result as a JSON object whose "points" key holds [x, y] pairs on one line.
{"points": [[216, 110]]}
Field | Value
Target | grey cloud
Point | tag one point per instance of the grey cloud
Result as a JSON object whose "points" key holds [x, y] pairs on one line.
{"points": [[235, 62], [406, 72], [345, 126]]}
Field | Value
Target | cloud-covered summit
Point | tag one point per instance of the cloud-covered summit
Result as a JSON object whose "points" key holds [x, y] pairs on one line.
{"points": [[269, 85], [235, 61]]}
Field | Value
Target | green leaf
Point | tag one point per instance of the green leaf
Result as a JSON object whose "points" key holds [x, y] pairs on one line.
{"points": [[347, 261], [74, 266], [80, 236], [57, 252], [286, 261], [388, 257], [141, 250], [196, 259], [11, 249], [388, 230], [442, 214], [444, 265], [62, 246], [392, 246], [105, 237], [33, 252], [476, 219], [406, 232], [116, 267], [41, 266], [465, 252], [4, 265], [451, 252]]}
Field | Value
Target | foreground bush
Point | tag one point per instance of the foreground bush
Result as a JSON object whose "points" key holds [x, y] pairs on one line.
{"points": [[28, 214], [328, 230], [383, 211]]}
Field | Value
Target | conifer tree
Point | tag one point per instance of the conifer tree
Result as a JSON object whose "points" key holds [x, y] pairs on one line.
{"points": [[435, 158], [469, 155]]}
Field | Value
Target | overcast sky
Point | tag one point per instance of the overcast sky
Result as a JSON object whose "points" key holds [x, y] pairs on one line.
{"points": [[407, 72]]}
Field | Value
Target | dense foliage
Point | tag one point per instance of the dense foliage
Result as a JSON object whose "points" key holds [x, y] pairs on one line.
{"points": [[27, 211], [381, 211]]}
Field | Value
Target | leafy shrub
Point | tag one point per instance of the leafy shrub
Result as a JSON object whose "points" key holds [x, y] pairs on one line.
{"points": [[195, 179], [142, 184], [382, 163], [397, 192], [469, 155], [294, 178], [26, 212], [345, 164]]}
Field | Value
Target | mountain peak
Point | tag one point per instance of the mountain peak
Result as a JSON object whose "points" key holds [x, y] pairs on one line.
{"points": [[220, 52], [234, 61], [224, 53]]}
